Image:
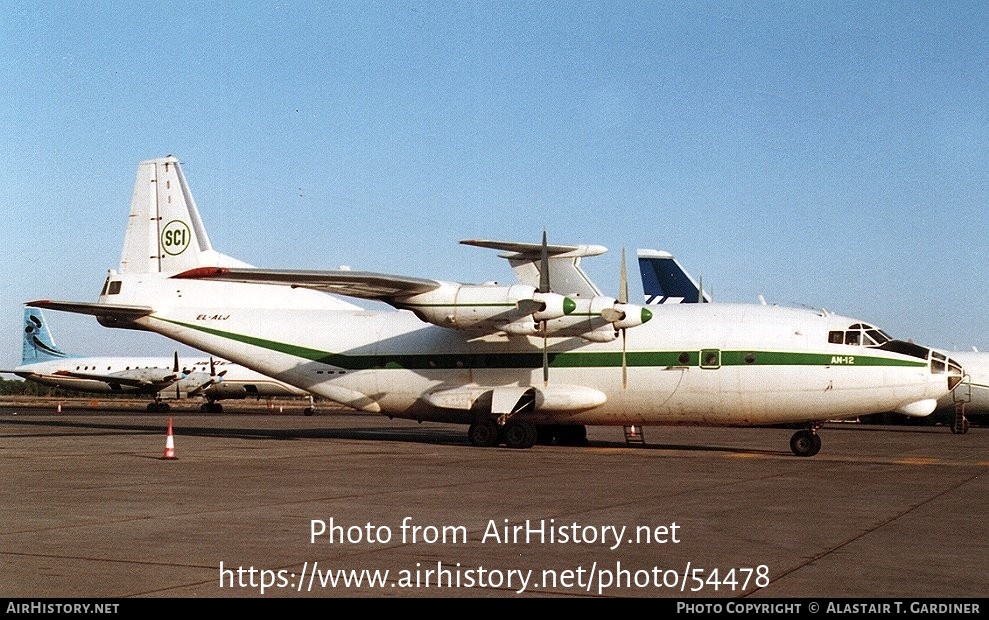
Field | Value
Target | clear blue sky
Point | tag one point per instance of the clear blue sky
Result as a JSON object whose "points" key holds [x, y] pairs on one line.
{"points": [[830, 154]]}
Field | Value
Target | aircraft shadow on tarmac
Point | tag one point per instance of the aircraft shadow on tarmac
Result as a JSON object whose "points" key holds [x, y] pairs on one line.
{"points": [[431, 434]]}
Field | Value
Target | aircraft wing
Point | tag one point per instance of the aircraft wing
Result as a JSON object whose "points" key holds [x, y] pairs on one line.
{"points": [[565, 275], [360, 284], [142, 381], [98, 310]]}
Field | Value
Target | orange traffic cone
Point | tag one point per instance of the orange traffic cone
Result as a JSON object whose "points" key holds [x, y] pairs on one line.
{"points": [[169, 443]]}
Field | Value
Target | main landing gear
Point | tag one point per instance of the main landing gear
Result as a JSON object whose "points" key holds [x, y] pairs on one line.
{"points": [[806, 442], [487, 433], [514, 434]]}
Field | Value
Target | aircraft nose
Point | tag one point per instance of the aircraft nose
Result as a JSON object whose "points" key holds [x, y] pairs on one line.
{"points": [[955, 374], [942, 364]]}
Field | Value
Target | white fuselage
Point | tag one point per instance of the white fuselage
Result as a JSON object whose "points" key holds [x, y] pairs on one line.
{"points": [[974, 390], [236, 381], [708, 364]]}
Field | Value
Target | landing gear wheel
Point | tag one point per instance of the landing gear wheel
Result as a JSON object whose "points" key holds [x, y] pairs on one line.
{"points": [[308, 411], [960, 429], [483, 434], [520, 434], [805, 443]]}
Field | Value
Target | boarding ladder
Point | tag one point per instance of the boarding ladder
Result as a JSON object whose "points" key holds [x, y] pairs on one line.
{"points": [[633, 436], [962, 395]]}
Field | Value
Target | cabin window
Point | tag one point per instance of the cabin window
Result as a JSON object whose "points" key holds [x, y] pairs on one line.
{"points": [[113, 288], [749, 358], [710, 358], [684, 358]]}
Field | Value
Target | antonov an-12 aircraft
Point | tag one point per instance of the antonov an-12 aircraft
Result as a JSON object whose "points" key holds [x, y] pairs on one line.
{"points": [[538, 359], [664, 280], [162, 378]]}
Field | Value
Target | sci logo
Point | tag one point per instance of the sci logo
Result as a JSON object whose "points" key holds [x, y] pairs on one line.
{"points": [[175, 238]]}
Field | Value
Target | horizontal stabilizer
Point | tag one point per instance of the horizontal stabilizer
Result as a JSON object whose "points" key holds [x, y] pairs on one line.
{"points": [[98, 310], [533, 251], [565, 274]]}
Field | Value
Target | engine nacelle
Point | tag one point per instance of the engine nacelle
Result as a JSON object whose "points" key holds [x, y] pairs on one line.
{"points": [[585, 321], [227, 391], [606, 333], [554, 306], [599, 319], [631, 315], [517, 309]]}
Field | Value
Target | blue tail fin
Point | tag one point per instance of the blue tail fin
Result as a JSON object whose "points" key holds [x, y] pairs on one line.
{"points": [[664, 280], [38, 343]]}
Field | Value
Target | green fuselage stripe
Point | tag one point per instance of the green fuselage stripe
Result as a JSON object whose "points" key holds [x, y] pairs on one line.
{"points": [[566, 359]]}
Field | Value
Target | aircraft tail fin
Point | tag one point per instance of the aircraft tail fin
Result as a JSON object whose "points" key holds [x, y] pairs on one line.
{"points": [[38, 343], [164, 231], [665, 281]]}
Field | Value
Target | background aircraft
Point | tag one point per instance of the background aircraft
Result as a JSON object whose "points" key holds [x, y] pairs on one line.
{"points": [[42, 361], [514, 363], [665, 280]]}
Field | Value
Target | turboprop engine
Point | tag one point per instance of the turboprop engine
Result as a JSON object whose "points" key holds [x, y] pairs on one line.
{"points": [[599, 319], [516, 309]]}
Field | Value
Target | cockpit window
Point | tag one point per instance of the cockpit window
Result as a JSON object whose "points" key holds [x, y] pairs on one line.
{"points": [[859, 334]]}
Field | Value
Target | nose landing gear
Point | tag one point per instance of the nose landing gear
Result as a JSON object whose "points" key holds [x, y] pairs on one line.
{"points": [[805, 442]]}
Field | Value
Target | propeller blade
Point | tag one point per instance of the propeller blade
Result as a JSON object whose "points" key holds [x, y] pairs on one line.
{"points": [[623, 281], [624, 364], [175, 366], [544, 266], [544, 288], [623, 298], [545, 360]]}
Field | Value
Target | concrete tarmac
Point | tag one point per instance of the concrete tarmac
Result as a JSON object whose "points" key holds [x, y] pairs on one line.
{"points": [[283, 505]]}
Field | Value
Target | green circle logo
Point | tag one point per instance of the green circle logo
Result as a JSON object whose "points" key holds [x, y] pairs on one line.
{"points": [[175, 237]]}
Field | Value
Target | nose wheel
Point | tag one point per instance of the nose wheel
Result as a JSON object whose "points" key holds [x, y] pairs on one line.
{"points": [[805, 442]]}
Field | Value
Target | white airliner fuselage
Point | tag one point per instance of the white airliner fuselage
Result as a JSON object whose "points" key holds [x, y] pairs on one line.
{"points": [[209, 378], [706, 364]]}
